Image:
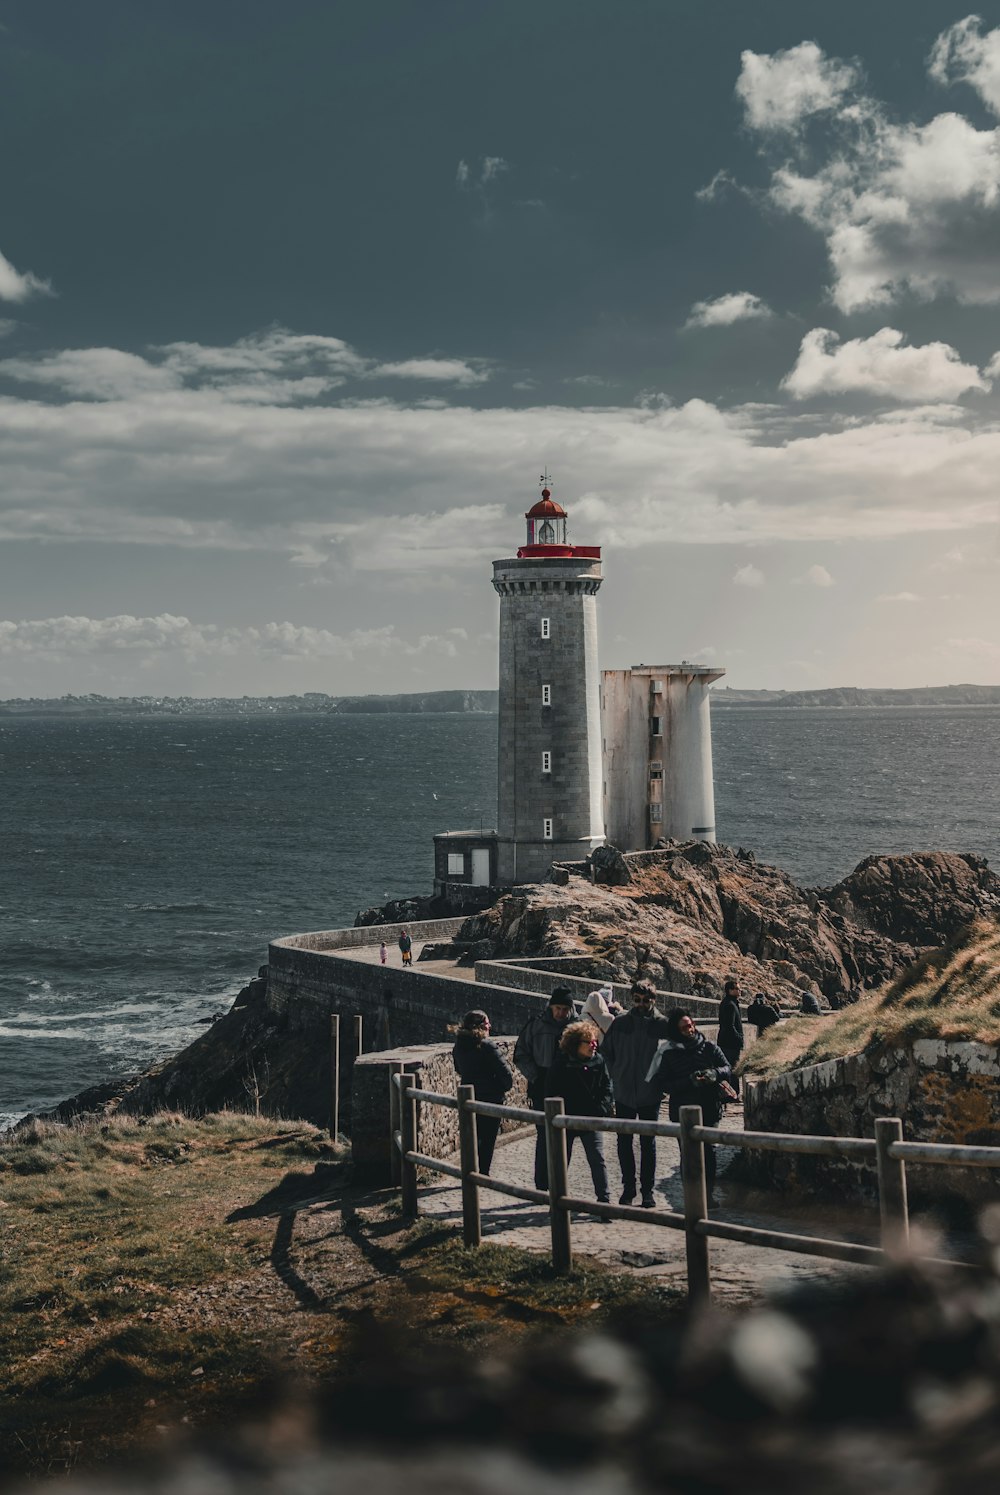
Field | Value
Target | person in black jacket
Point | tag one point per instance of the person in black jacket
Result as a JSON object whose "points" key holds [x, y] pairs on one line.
{"points": [[580, 1075], [693, 1072], [628, 1049], [730, 1036], [763, 1013], [534, 1053], [479, 1063]]}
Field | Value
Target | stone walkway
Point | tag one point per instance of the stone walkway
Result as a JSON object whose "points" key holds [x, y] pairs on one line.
{"points": [[368, 955], [739, 1272]]}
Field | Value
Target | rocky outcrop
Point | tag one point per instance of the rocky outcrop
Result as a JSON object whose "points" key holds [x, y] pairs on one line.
{"points": [[692, 914]]}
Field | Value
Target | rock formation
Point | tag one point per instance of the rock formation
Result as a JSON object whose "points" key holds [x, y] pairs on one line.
{"points": [[690, 915]]}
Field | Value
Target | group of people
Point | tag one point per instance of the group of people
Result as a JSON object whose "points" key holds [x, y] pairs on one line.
{"points": [[607, 1062]]}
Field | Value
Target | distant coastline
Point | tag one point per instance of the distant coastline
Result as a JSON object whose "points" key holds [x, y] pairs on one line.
{"points": [[464, 702]]}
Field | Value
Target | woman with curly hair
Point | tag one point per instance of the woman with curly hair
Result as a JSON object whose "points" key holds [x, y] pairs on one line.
{"points": [[580, 1076]]}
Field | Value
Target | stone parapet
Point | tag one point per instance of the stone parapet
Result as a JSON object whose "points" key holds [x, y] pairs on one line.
{"points": [[437, 1134]]}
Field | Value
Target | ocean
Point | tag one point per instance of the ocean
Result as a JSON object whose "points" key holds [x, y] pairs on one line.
{"points": [[148, 862]]}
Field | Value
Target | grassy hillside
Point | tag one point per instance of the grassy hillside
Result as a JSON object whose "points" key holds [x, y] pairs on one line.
{"points": [[951, 993]]}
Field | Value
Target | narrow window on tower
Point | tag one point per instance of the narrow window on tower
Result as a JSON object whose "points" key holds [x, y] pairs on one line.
{"points": [[546, 830], [546, 763], [654, 725], [656, 813], [546, 695], [546, 629]]}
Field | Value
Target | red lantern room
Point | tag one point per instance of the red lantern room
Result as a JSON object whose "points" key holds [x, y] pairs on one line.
{"points": [[546, 521], [547, 531]]}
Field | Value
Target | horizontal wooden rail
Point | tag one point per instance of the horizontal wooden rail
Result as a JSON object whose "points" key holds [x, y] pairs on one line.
{"points": [[421, 1160], [945, 1152], [622, 1211], [780, 1240], [505, 1113], [810, 1146], [619, 1124], [500, 1186]]}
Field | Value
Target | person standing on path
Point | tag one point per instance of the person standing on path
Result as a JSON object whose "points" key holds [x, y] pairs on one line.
{"points": [[534, 1054], [628, 1050], [693, 1072], [762, 1013], [479, 1063], [405, 947], [730, 1035], [580, 1075], [383, 953]]}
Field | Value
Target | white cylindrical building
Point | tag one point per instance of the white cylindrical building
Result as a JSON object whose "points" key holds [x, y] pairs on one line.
{"points": [[657, 731]]}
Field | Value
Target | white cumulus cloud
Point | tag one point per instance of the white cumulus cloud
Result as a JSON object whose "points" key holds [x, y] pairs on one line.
{"points": [[748, 576], [897, 597], [780, 90], [439, 370], [962, 54], [904, 207], [881, 365], [817, 576], [723, 311], [17, 285]]}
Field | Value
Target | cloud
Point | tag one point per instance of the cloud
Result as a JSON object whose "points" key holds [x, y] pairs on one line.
{"points": [[17, 287], [59, 639], [275, 367], [738, 306], [442, 370], [748, 576], [879, 365], [817, 576], [963, 55], [106, 446], [904, 208], [897, 597], [779, 91]]}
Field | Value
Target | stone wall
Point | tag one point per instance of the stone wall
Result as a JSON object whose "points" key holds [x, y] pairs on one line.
{"points": [[541, 974], [437, 1125], [942, 1091]]}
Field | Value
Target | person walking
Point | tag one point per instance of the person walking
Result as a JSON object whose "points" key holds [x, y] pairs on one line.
{"points": [[383, 954], [479, 1063], [405, 947], [628, 1050], [580, 1075], [691, 1071], [534, 1054], [730, 1036]]}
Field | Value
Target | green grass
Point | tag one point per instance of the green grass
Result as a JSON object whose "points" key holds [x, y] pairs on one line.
{"points": [[951, 993]]}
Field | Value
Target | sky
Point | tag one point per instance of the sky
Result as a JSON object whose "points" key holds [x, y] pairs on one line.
{"points": [[297, 303]]}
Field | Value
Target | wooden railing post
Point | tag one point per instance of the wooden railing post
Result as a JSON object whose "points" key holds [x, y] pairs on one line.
{"points": [[334, 1074], [395, 1123], [359, 1035], [408, 1128], [891, 1186], [468, 1141], [555, 1147], [695, 1206]]}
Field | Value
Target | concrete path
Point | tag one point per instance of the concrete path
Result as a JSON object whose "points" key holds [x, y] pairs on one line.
{"points": [[368, 955], [740, 1273]]}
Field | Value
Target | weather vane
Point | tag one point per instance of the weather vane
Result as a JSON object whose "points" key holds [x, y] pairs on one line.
{"points": [[545, 481]]}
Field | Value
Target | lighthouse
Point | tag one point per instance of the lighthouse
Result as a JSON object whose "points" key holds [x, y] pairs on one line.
{"points": [[549, 791]]}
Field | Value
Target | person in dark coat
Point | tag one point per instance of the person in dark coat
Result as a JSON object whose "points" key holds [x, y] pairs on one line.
{"points": [[534, 1054], [629, 1046], [762, 1013], [580, 1075], [810, 1004], [405, 947], [479, 1063], [730, 1036], [691, 1071]]}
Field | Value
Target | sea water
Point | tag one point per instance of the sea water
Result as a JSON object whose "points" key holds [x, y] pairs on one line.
{"points": [[146, 863]]}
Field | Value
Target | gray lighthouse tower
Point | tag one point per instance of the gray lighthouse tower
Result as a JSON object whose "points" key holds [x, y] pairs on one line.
{"points": [[549, 790]]}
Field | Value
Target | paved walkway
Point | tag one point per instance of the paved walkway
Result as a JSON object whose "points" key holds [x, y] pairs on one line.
{"points": [[739, 1272], [368, 955]]}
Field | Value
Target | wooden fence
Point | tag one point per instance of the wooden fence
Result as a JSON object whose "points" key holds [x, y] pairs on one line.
{"points": [[888, 1150]]}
